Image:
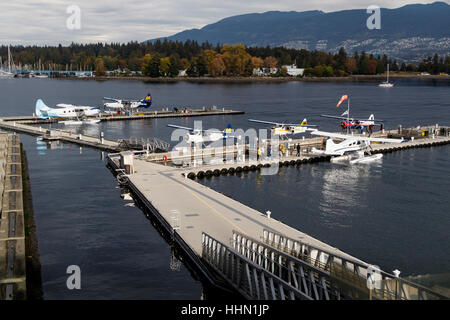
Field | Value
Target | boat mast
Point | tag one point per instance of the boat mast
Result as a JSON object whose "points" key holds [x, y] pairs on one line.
{"points": [[387, 81], [348, 115]]}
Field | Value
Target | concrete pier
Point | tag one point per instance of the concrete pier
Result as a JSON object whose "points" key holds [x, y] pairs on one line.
{"points": [[12, 236]]}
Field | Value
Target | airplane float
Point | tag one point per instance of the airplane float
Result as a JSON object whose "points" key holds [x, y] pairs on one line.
{"points": [[201, 136], [121, 104], [284, 129]]}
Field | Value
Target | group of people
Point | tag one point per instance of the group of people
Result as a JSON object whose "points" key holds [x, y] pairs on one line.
{"points": [[282, 150]]}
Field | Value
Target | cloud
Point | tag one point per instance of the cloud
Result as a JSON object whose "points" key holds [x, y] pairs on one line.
{"points": [[41, 22]]}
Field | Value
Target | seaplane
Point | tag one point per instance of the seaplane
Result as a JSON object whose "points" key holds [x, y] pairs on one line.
{"points": [[354, 123], [348, 123], [352, 148], [121, 104], [195, 135], [284, 129], [67, 111]]}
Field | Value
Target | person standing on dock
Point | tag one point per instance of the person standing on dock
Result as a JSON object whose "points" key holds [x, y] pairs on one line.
{"points": [[258, 154], [298, 150]]}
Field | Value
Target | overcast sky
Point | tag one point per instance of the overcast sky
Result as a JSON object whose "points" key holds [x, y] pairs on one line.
{"points": [[42, 22]]}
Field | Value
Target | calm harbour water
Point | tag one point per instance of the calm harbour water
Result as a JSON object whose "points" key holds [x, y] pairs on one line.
{"points": [[394, 214]]}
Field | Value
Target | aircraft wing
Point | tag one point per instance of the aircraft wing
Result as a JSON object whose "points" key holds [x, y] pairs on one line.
{"points": [[111, 99], [384, 140], [65, 105], [331, 135], [282, 124], [351, 118], [347, 137], [265, 122], [180, 127]]}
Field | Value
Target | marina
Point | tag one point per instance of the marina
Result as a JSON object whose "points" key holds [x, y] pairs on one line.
{"points": [[224, 160], [211, 227], [206, 226]]}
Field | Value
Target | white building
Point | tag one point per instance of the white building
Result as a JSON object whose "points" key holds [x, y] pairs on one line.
{"points": [[292, 70]]}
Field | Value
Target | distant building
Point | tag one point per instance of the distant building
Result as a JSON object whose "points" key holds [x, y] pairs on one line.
{"points": [[292, 70], [182, 73]]}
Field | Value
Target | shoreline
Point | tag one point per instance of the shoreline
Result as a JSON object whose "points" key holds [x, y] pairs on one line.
{"points": [[355, 78]]}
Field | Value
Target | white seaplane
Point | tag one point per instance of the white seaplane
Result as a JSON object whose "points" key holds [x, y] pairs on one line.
{"points": [[201, 136], [67, 111], [121, 104], [352, 148], [284, 129]]}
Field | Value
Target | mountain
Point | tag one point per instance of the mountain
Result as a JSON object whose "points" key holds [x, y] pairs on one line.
{"points": [[410, 32]]}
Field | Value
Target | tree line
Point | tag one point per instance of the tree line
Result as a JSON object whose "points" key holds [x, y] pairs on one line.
{"points": [[166, 58]]}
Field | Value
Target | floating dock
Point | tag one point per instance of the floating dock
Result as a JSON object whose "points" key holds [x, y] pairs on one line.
{"points": [[12, 233], [258, 256], [154, 114], [30, 125], [195, 167]]}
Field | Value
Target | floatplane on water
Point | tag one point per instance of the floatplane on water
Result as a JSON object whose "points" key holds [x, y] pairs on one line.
{"points": [[73, 115]]}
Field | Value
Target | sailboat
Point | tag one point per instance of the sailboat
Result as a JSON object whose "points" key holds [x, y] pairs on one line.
{"points": [[386, 84], [6, 74]]}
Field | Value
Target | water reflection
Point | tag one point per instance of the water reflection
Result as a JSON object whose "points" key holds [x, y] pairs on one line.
{"points": [[344, 188]]}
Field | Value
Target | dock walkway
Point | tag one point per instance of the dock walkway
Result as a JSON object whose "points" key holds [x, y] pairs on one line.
{"points": [[191, 209]]}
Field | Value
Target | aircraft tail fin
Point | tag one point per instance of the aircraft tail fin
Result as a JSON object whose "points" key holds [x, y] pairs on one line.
{"points": [[148, 100], [372, 117], [330, 145], [41, 109], [228, 130], [304, 122]]}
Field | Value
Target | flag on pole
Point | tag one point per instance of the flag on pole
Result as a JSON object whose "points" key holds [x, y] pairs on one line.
{"points": [[344, 97]]}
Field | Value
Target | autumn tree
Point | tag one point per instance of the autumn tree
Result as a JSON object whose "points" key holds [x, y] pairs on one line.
{"points": [[257, 62], [270, 62], [235, 58], [217, 66], [99, 67], [164, 66]]}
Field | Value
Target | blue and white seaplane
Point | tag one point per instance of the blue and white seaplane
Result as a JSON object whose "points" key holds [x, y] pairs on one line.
{"points": [[122, 104], [74, 114]]}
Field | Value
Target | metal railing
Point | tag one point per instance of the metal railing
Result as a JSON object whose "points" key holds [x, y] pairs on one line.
{"points": [[149, 144], [350, 276], [248, 278], [308, 279]]}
